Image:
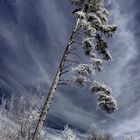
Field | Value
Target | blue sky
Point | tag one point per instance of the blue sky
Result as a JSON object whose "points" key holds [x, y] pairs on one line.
{"points": [[33, 35]]}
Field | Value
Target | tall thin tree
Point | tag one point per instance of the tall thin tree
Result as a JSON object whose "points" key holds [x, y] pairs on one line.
{"points": [[91, 30]]}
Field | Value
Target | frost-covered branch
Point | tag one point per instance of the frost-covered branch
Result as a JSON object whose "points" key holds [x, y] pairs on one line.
{"points": [[105, 100], [94, 28]]}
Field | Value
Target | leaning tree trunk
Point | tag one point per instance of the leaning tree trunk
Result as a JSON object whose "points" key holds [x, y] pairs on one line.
{"points": [[54, 85]]}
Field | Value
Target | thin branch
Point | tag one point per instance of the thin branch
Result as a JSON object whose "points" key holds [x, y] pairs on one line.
{"points": [[75, 54], [69, 60], [64, 72], [71, 43], [78, 43], [62, 83], [65, 81], [65, 67], [73, 49]]}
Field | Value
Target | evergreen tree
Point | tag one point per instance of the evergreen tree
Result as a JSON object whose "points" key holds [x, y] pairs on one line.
{"points": [[91, 28]]}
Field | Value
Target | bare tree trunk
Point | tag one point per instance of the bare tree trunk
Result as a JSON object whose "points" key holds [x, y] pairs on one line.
{"points": [[54, 85]]}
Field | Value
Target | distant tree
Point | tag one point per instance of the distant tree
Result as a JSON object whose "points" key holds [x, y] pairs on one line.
{"points": [[91, 30], [26, 113], [19, 117], [7, 127], [68, 134], [99, 135]]}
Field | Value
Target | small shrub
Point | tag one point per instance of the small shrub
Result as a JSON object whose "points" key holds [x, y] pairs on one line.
{"points": [[99, 135]]}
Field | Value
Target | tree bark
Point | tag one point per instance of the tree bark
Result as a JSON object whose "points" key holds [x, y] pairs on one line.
{"points": [[47, 104]]}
